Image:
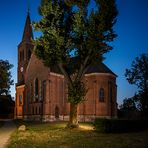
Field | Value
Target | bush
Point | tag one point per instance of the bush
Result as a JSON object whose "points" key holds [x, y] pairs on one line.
{"points": [[99, 125], [120, 126]]}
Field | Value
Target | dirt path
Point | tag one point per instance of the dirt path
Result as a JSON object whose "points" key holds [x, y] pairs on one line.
{"points": [[5, 132]]}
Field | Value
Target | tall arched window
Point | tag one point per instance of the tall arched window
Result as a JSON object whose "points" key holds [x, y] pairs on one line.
{"points": [[29, 54], [56, 112], [32, 110], [22, 56], [31, 92], [111, 93], [36, 87], [36, 112], [20, 99], [101, 95], [44, 90]]}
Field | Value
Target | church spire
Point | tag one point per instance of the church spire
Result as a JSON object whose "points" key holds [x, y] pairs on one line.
{"points": [[27, 35]]}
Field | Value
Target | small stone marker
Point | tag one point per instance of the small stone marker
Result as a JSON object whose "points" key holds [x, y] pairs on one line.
{"points": [[22, 128]]}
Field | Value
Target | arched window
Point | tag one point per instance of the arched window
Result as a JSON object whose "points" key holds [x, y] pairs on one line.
{"points": [[44, 90], [111, 93], [29, 54], [22, 55], [20, 99], [31, 93], [101, 95], [36, 87], [32, 110], [56, 112], [36, 112], [39, 110]]}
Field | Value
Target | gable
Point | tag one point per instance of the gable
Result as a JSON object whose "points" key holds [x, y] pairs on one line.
{"points": [[36, 69]]}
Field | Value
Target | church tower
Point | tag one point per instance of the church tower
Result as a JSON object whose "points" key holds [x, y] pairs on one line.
{"points": [[25, 49]]}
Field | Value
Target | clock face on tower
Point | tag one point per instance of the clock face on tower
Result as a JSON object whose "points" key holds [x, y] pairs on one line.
{"points": [[21, 69]]}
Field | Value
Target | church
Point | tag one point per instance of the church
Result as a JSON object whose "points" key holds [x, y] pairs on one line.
{"points": [[41, 92]]}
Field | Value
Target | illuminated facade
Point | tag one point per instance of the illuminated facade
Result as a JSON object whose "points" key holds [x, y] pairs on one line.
{"points": [[41, 92]]}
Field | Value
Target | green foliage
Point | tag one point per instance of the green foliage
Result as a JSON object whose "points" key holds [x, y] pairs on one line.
{"points": [[99, 124], [120, 126], [69, 30], [141, 99], [76, 92], [138, 75], [5, 77], [92, 33], [130, 109], [66, 32], [129, 104], [51, 46], [6, 107]]}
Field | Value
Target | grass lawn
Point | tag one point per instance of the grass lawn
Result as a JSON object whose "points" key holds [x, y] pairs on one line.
{"points": [[55, 135]]}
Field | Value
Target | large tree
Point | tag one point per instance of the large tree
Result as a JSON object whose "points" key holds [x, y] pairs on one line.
{"points": [[5, 77], [138, 75], [72, 32]]}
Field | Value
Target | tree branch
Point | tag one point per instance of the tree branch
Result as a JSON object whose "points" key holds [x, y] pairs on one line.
{"points": [[83, 66], [68, 78]]}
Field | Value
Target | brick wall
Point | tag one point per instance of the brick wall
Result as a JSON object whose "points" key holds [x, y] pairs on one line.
{"points": [[52, 98]]}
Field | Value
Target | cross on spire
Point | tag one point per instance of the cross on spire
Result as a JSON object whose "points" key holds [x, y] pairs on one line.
{"points": [[28, 5]]}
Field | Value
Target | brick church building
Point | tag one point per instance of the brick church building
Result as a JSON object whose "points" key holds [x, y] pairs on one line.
{"points": [[41, 92]]}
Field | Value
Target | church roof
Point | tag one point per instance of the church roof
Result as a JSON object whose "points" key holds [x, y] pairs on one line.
{"points": [[99, 68], [20, 83], [28, 34]]}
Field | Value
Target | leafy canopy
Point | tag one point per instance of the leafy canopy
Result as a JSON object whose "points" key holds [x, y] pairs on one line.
{"points": [[66, 31], [70, 29], [5, 77], [129, 104], [138, 75]]}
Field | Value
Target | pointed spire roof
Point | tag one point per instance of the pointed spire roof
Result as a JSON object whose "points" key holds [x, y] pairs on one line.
{"points": [[27, 35]]}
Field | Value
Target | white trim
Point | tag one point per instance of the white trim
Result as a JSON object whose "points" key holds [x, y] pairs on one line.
{"points": [[55, 74], [18, 117], [104, 74], [91, 118]]}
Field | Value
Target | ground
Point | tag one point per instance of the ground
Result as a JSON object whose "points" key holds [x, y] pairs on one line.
{"points": [[7, 127], [55, 135]]}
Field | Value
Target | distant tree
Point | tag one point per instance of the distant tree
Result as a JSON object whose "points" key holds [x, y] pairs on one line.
{"points": [[6, 106], [69, 30], [5, 77], [138, 75], [129, 104]]}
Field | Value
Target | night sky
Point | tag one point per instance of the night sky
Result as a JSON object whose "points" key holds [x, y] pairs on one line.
{"points": [[131, 27]]}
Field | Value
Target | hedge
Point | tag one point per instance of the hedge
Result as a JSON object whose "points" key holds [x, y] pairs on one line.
{"points": [[120, 126]]}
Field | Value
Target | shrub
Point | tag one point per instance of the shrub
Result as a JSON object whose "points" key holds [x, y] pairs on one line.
{"points": [[120, 126], [99, 124]]}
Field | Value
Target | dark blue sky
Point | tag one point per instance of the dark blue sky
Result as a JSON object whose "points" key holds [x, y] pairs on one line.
{"points": [[131, 27]]}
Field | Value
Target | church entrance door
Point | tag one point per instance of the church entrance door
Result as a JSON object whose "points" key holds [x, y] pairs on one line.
{"points": [[56, 112]]}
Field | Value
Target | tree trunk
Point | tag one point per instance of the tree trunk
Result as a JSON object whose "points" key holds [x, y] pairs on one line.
{"points": [[73, 118]]}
